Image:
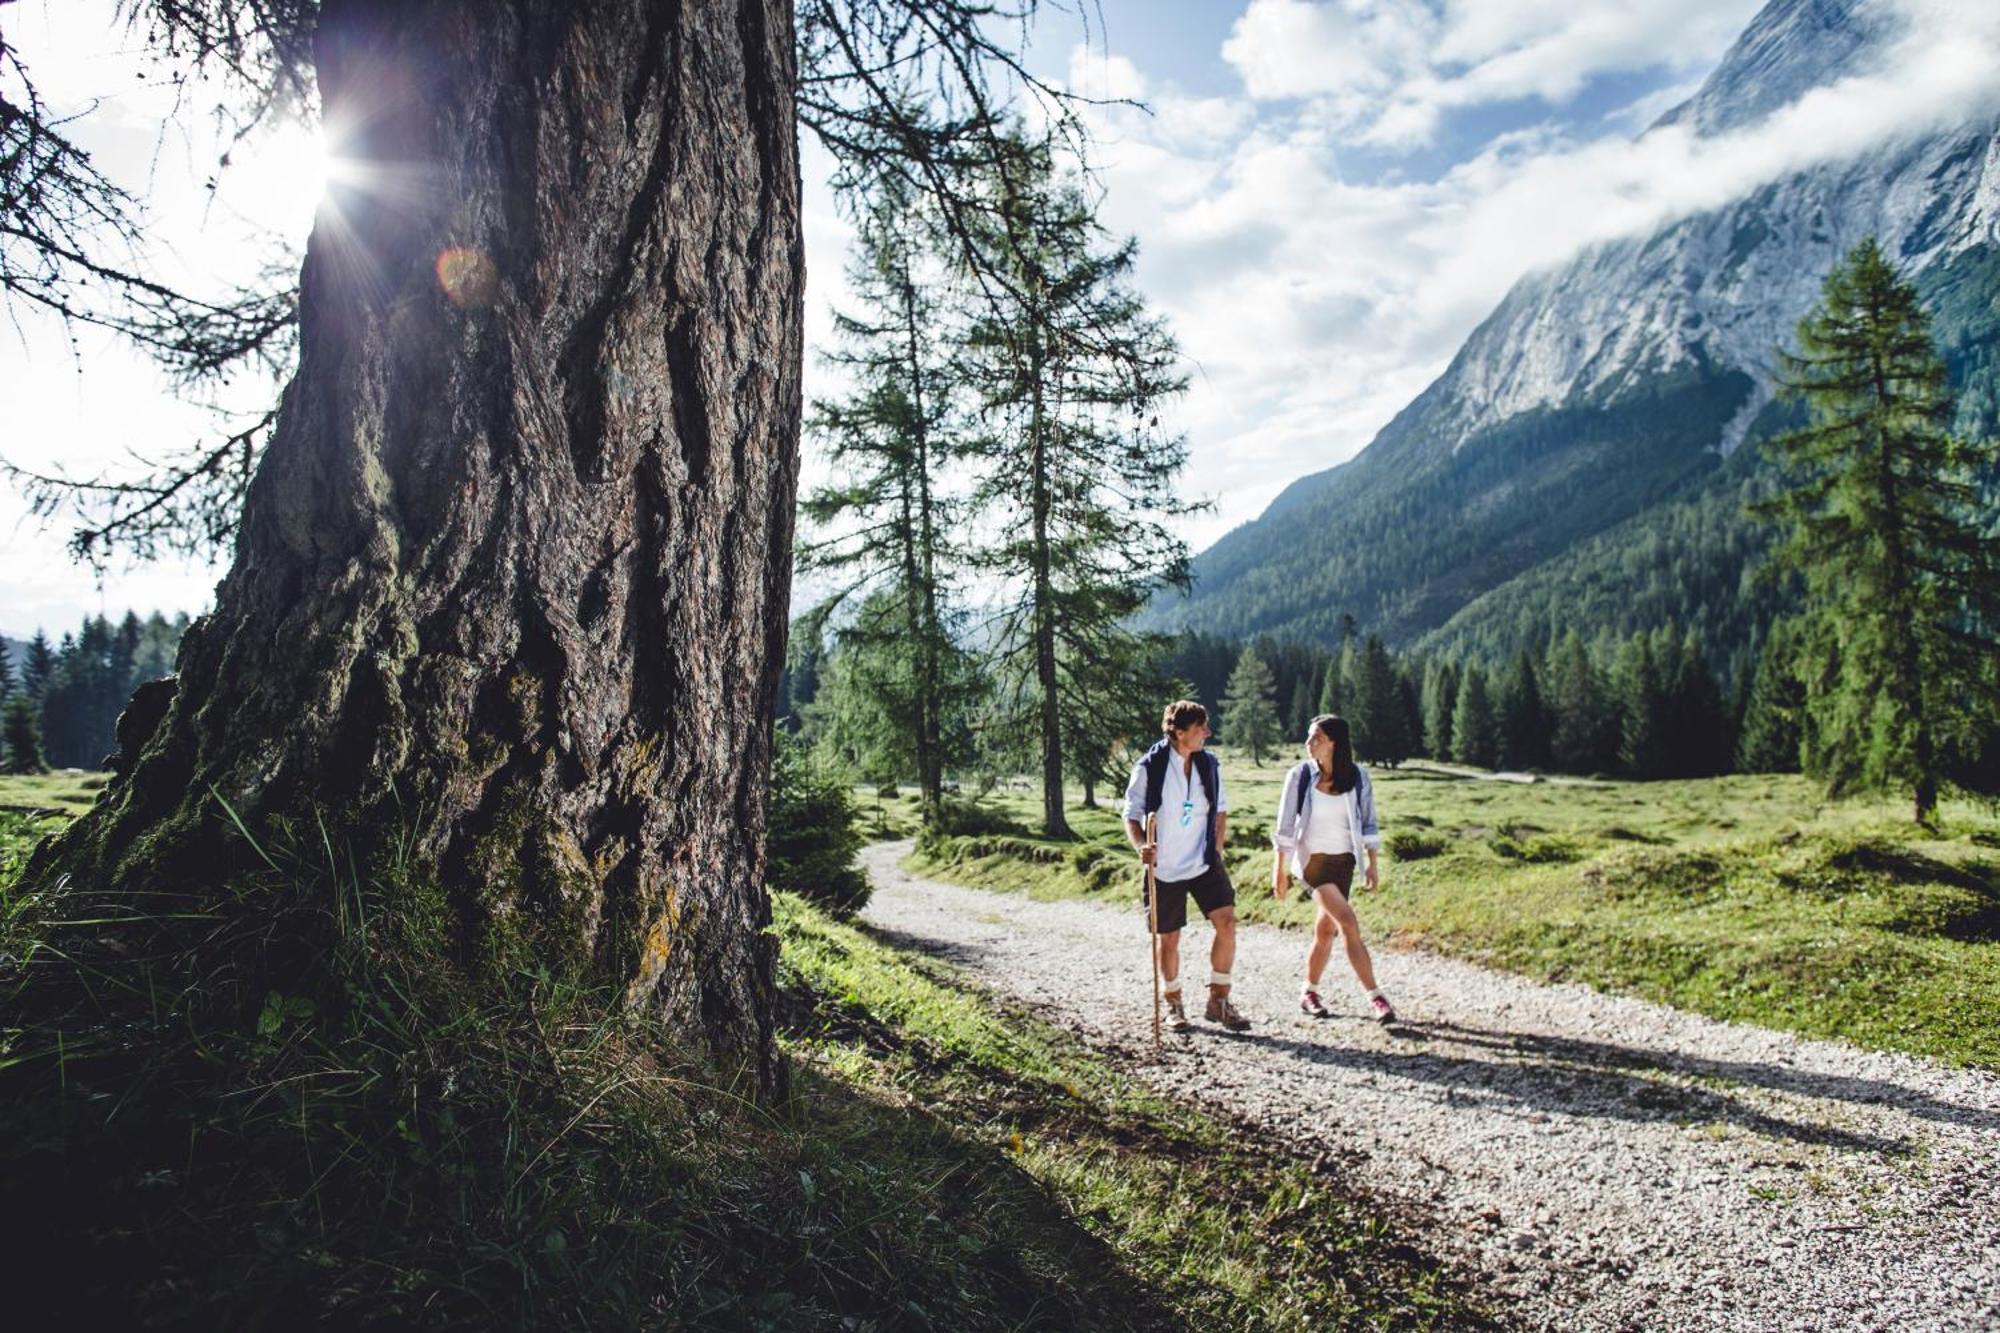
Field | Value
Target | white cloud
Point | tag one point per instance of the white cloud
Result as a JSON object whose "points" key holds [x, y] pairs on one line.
{"points": [[1388, 71]]}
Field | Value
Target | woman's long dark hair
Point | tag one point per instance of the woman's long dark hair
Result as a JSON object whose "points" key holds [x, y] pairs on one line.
{"points": [[1334, 727]]}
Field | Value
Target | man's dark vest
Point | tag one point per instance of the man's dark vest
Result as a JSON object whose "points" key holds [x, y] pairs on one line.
{"points": [[1205, 767]]}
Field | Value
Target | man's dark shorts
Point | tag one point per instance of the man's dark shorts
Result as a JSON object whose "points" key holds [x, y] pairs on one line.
{"points": [[1211, 889]]}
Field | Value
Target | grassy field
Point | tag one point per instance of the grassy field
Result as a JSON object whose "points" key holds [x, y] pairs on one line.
{"points": [[203, 1134], [67, 791], [1747, 898]]}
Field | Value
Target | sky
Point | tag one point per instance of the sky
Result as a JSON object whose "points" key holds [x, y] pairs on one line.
{"points": [[1328, 196]]}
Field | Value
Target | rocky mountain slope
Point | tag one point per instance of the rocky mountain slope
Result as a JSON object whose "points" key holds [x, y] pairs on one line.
{"points": [[1620, 384]]}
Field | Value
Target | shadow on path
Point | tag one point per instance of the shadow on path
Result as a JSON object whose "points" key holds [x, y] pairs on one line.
{"points": [[1561, 1086]]}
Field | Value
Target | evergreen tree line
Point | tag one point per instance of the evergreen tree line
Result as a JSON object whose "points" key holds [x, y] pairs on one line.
{"points": [[1646, 706], [61, 702]]}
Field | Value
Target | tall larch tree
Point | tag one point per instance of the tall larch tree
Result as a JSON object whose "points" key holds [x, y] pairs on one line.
{"points": [[1079, 476], [1901, 583], [518, 555], [888, 524]]}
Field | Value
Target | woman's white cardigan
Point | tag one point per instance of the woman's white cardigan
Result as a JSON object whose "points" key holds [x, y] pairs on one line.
{"points": [[1292, 821]]}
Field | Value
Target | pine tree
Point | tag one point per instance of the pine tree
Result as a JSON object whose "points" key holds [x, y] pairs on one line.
{"points": [[1576, 699], [1698, 739], [38, 665], [1079, 476], [6, 671], [1332, 689], [1409, 691], [1901, 586], [1249, 714], [1111, 710], [1642, 739], [1378, 717], [22, 735], [893, 439], [1523, 718], [1474, 728], [1768, 741], [872, 696], [1305, 694], [1440, 697]]}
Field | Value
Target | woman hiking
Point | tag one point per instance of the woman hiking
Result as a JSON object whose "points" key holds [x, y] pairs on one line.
{"points": [[1326, 820]]}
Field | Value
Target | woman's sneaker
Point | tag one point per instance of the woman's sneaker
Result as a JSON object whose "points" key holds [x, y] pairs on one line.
{"points": [[1309, 1002], [1384, 1011]]}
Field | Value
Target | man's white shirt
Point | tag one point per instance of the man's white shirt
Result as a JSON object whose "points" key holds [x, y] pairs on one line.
{"points": [[1180, 840]]}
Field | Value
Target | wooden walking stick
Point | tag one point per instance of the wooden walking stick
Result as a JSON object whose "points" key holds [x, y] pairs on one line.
{"points": [[1153, 929]]}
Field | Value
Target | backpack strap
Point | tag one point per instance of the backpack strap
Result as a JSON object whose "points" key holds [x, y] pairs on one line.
{"points": [[1305, 780], [1155, 761]]}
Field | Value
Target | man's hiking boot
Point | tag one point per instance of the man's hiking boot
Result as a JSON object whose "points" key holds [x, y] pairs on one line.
{"points": [[1220, 1010], [1309, 1002], [1384, 1011], [1177, 1019]]}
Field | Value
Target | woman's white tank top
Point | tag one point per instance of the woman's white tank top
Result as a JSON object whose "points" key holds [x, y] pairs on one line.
{"points": [[1330, 832]]}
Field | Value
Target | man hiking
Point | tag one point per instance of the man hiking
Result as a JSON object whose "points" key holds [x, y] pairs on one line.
{"points": [[1180, 783]]}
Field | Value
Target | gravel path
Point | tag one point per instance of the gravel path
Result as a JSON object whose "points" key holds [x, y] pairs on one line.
{"points": [[1606, 1163]]}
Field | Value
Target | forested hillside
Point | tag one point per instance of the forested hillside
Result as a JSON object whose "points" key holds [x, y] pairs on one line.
{"points": [[1689, 560]]}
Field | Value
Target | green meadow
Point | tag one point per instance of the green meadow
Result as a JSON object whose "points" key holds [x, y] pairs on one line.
{"points": [[1748, 898]]}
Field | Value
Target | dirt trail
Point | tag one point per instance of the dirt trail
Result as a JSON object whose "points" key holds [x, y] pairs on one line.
{"points": [[1606, 1162]]}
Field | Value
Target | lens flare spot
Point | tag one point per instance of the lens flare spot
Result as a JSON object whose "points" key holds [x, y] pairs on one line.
{"points": [[469, 279]]}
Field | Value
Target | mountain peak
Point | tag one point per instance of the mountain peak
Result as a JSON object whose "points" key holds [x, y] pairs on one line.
{"points": [[1789, 49]]}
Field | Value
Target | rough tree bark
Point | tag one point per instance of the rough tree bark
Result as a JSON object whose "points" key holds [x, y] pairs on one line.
{"points": [[513, 577]]}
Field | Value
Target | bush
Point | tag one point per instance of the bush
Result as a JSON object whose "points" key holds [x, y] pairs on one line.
{"points": [[1553, 849], [969, 818], [814, 834], [1415, 845]]}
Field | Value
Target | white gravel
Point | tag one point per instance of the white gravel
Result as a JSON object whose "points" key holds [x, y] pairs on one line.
{"points": [[1604, 1162]]}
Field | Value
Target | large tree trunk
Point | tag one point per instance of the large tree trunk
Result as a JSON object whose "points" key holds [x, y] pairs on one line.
{"points": [[513, 578]]}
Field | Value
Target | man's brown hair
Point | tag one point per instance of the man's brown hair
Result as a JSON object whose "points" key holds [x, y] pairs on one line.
{"points": [[1181, 714]]}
